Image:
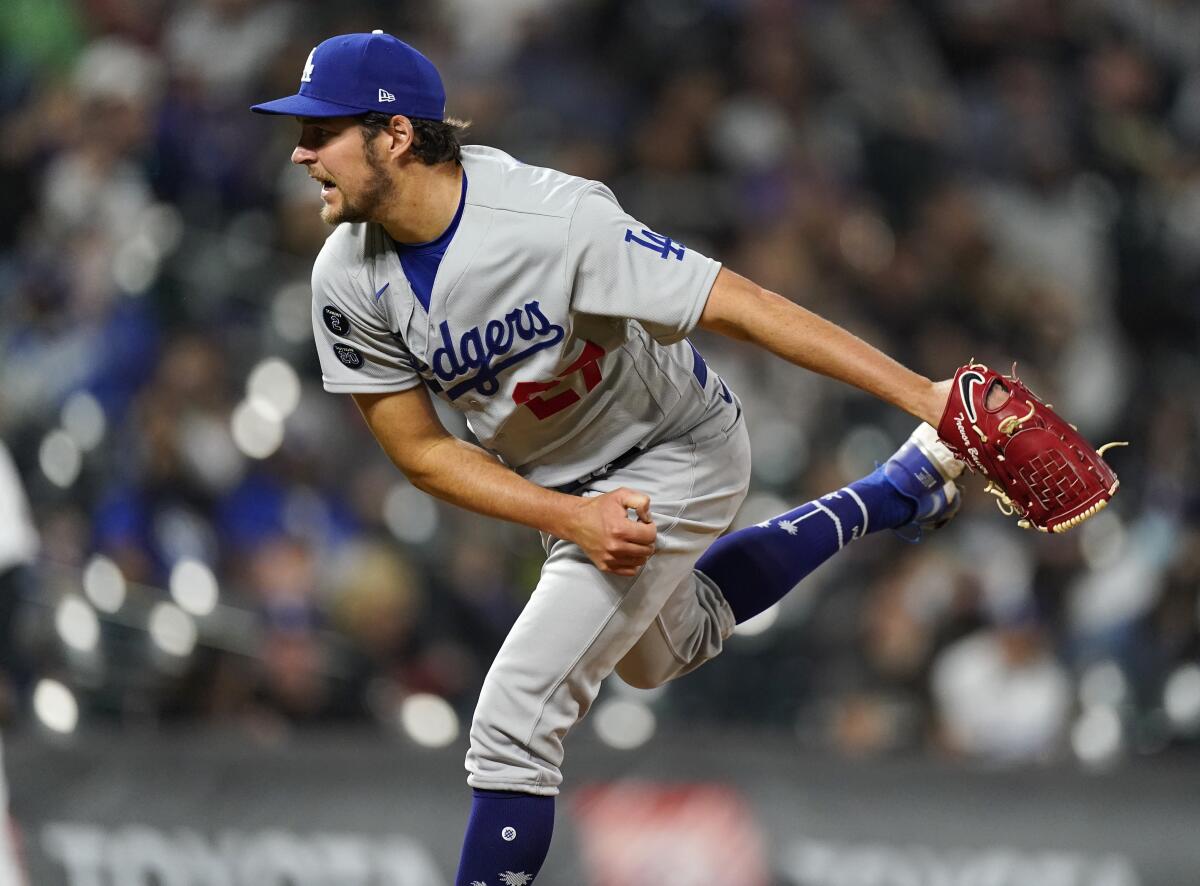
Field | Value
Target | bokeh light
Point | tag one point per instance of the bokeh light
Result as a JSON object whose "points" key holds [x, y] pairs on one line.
{"points": [[84, 420], [1097, 737], [1181, 699], [194, 587], [257, 428], [429, 720], [623, 723], [55, 706], [172, 630], [104, 584], [274, 381], [76, 623], [60, 459]]}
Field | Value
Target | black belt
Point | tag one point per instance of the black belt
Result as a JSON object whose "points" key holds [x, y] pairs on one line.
{"points": [[619, 462]]}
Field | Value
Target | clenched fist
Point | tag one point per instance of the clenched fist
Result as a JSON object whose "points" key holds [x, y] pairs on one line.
{"points": [[602, 527]]}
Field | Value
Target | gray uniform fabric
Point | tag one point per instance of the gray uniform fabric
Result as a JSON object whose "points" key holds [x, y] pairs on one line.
{"points": [[545, 271], [557, 324], [581, 624]]}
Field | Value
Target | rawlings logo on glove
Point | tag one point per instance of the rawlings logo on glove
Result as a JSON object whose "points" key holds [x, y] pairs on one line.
{"points": [[1038, 466]]}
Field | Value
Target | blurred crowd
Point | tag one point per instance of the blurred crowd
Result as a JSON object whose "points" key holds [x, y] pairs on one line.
{"points": [[220, 542]]}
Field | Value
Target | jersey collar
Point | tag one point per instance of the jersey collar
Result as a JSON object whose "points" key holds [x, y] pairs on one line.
{"points": [[439, 244]]}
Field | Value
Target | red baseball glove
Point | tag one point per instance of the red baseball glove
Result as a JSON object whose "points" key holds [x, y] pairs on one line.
{"points": [[1038, 465]]}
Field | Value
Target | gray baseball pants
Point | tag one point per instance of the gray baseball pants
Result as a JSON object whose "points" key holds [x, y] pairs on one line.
{"points": [[581, 624]]}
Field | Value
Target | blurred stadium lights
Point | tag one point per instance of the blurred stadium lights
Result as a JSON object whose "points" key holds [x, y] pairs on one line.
{"points": [[257, 427], [429, 720], [55, 706], [172, 630], [104, 584], [194, 587], [84, 420], [624, 724], [1181, 699], [1097, 737], [172, 626], [275, 381], [59, 458], [759, 624], [1103, 685], [77, 624], [410, 515]]}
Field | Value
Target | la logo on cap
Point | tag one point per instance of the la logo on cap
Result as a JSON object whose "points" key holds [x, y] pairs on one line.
{"points": [[360, 73]]}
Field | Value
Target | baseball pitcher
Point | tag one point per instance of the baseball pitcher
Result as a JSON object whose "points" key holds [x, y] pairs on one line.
{"points": [[530, 301]]}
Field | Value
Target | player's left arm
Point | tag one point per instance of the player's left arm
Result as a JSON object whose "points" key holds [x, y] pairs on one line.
{"points": [[740, 309]]}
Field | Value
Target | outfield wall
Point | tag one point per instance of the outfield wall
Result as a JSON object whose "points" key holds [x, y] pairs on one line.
{"points": [[354, 810]]}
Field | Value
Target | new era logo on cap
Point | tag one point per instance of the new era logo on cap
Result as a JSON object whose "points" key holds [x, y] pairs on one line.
{"points": [[342, 76]]}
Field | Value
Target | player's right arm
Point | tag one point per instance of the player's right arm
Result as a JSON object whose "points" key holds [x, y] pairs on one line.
{"points": [[435, 461]]}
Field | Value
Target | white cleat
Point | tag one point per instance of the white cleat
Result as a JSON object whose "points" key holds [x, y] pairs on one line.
{"points": [[924, 470]]}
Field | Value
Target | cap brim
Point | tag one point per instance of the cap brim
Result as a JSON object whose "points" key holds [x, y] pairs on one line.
{"points": [[307, 106]]}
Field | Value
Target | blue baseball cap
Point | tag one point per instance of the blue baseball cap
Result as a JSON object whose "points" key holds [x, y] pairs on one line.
{"points": [[355, 73]]}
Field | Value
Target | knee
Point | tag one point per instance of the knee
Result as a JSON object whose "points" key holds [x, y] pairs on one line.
{"points": [[641, 675]]}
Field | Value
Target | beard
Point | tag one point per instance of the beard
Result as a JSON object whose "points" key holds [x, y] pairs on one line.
{"points": [[365, 207]]}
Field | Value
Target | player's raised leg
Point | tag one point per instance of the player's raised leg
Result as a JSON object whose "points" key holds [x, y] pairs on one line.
{"points": [[758, 565], [747, 571]]}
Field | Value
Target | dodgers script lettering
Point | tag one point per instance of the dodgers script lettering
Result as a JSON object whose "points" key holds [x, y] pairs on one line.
{"points": [[477, 348]]}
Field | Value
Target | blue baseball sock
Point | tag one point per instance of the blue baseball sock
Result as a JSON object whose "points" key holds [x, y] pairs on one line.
{"points": [[508, 836], [754, 567]]}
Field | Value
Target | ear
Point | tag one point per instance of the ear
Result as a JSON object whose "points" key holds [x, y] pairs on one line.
{"points": [[399, 136]]}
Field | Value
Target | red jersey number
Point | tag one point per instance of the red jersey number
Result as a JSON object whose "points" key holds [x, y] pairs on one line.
{"points": [[531, 393]]}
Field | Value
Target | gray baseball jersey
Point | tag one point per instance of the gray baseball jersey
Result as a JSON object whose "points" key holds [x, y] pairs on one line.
{"points": [[556, 321]]}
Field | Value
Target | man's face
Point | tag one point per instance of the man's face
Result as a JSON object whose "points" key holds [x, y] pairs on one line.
{"points": [[354, 180]]}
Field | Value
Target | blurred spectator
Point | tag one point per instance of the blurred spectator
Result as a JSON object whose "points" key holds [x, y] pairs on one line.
{"points": [[97, 185], [1001, 696]]}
